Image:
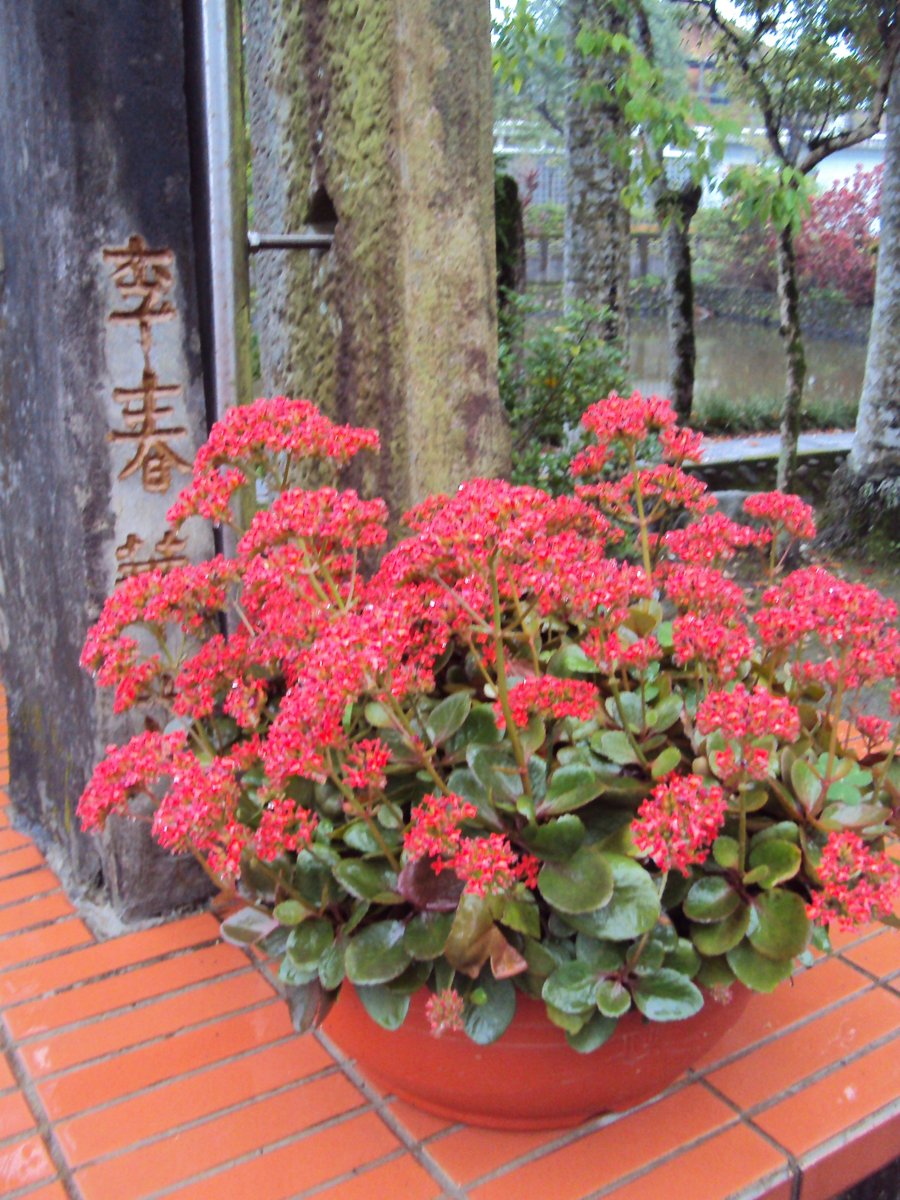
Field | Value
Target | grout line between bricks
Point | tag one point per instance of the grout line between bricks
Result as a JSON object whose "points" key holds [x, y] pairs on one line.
{"points": [[85, 1023], [204, 1118], [259, 1152], [381, 1107], [795, 1172], [44, 1125]]}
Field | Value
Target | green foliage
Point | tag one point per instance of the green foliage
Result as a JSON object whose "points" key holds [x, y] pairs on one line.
{"points": [[776, 195], [551, 368]]}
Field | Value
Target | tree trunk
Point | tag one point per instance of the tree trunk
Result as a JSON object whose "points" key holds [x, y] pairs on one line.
{"points": [[675, 209], [376, 119], [596, 268], [789, 308], [864, 496]]}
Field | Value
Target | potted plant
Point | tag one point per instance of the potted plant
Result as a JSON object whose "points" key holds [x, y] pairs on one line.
{"points": [[544, 766]]}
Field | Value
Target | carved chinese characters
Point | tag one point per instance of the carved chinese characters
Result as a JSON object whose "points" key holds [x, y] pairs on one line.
{"points": [[148, 431]]}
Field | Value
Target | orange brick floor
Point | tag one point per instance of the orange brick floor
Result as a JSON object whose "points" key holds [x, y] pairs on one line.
{"points": [[162, 1064]]}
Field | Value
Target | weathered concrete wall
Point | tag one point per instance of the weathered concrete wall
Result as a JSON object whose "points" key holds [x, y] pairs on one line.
{"points": [[93, 151], [383, 106]]}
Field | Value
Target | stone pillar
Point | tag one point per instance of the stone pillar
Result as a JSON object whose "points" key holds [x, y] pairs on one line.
{"points": [[374, 118], [101, 393]]}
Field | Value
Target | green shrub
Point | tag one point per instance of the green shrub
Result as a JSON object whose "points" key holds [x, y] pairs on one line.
{"points": [[551, 368]]}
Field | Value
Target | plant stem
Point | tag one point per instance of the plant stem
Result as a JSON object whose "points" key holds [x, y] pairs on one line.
{"points": [[503, 687]]}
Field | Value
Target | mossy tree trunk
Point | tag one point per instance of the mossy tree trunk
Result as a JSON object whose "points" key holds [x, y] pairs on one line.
{"points": [[596, 266], [795, 358], [376, 116], [864, 498], [675, 209]]}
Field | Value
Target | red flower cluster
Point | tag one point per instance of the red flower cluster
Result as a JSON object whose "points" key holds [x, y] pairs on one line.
{"points": [[488, 865], [782, 511], [444, 1010], [858, 885], [549, 698], [678, 822]]}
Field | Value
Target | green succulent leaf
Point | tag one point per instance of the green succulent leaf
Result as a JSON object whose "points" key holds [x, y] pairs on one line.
{"points": [[572, 1023], [726, 852], [779, 860], [664, 715], [592, 1035], [290, 912], [247, 927], [426, 935], [711, 898], [613, 998], [806, 784], [570, 787], [666, 995], [665, 762], [582, 884], [615, 745], [572, 988], [481, 726], [386, 1008], [495, 769], [367, 880], [486, 1022], [684, 959], [715, 973], [755, 970], [521, 915], [783, 926], [632, 910], [448, 716], [555, 839], [721, 936], [571, 660], [631, 707], [309, 941], [377, 954]]}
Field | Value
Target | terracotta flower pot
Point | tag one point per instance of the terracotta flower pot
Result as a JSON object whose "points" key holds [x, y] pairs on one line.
{"points": [[531, 1078]]}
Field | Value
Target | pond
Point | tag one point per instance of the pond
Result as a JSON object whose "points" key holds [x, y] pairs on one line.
{"points": [[742, 362]]}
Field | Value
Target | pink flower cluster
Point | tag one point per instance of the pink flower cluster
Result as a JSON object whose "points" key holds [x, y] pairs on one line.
{"points": [[678, 822], [549, 698], [858, 885], [487, 865]]}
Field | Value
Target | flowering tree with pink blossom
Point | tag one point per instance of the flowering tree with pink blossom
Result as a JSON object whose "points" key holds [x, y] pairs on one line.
{"points": [[547, 745]]}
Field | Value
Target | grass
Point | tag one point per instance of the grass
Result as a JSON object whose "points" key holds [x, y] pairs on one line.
{"points": [[720, 414]]}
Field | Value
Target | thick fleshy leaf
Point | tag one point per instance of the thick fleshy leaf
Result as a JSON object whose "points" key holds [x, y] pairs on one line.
{"points": [[572, 988], [783, 927], [726, 852], [582, 884], [429, 892], [720, 936], [465, 948], [570, 787], [426, 934], [247, 927], [684, 959], [448, 716], [308, 1005], [601, 956], [590, 1037], [667, 996], [806, 784], [711, 898], [571, 660], [367, 880], [486, 1022], [412, 980], [664, 715], [665, 762], [570, 1022], [465, 783], [290, 912], [630, 705], [613, 998], [331, 966], [521, 915], [615, 745], [632, 910], [481, 726], [555, 839], [757, 972], [309, 941], [495, 769], [715, 973], [388, 1009], [377, 953], [777, 860]]}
